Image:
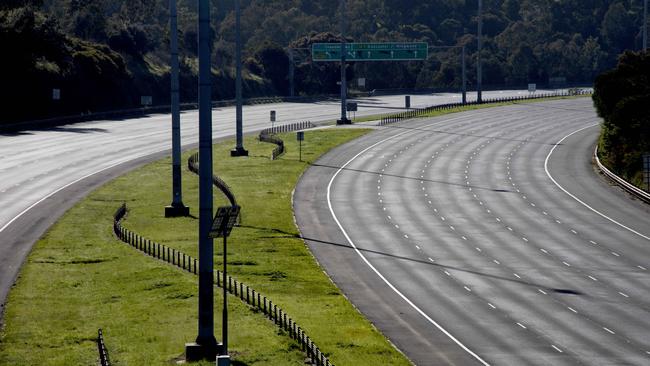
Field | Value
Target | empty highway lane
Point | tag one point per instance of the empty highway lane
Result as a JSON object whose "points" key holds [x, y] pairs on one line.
{"points": [[486, 237]]}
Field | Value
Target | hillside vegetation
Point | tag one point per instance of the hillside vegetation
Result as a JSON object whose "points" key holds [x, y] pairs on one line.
{"points": [[105, 54]]}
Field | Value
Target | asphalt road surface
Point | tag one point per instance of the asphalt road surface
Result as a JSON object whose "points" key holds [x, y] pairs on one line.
{"points": [[44, 172], [486, 238]]}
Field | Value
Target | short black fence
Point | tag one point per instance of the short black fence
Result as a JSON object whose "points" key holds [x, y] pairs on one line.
{"points": [[101, 347], [193, 166], [423, 111], [268, 135], [239, 289]]}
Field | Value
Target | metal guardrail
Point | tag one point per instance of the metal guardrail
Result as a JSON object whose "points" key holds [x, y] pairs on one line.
{"points": [[423, 111], [101, 347], [634, 190], [268, 135], [238, 289]]}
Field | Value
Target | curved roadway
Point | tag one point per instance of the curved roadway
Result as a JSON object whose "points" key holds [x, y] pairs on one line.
{"points": [[486, 238], [44, 172]]}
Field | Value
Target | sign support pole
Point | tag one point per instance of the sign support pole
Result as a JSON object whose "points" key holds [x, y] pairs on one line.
{"points": [[344, 119]]}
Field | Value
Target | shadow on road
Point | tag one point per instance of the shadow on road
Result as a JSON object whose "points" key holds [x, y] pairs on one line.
{"points": [[414, 178], [453, 268], [315, 242]]}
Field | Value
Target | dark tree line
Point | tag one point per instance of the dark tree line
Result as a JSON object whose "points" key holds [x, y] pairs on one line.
{"points": [[124, 45]]}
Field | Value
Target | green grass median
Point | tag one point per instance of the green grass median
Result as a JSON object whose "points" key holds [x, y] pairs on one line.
{"points": [[80, 277]]}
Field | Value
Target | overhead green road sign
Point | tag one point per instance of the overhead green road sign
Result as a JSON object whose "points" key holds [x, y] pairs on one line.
{"points": [[392, 51]]}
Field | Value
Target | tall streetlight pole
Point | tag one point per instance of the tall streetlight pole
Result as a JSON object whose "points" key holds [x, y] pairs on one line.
{"points": [[344, 119], [464, 73], [177, 208], [239, 149], [479, 68], [206, 344], [645, 25]]}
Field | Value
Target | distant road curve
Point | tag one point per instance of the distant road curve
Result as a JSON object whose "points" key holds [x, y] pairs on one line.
{"points": [[449, 235]]}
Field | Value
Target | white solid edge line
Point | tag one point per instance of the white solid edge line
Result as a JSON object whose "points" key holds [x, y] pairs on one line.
{"points": [[392, 287], [576, 198], [75, 182]]}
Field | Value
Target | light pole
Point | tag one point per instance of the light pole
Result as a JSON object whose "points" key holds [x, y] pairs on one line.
{"points": [[464, 76], [344, 119], [479, 71], [239, 149], [177, 208], [206, 345], [645, 25]]}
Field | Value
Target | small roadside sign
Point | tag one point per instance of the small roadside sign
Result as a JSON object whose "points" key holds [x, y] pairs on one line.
{"points": [[361, 82], [352, 106], [56, 94], [272, 116], [300, 136], [532, 88]]}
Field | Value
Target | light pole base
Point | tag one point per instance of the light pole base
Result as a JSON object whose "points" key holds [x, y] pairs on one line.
{"points": [[238, 151], [223, 360], [178, 210], [343, 121], [197, 352]]}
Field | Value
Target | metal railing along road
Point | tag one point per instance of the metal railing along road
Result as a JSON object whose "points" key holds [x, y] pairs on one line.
{"points": [[238, 289], [634, 190], [268, 135]]}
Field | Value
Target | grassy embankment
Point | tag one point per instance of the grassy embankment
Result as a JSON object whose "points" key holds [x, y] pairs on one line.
{"points": [[79, 277]]}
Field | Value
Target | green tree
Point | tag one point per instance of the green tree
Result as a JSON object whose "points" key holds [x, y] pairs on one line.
{"points": [[621, 97]]}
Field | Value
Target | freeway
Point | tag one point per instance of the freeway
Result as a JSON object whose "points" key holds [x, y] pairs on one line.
{"points": [[486, 238], [44, 172]]}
